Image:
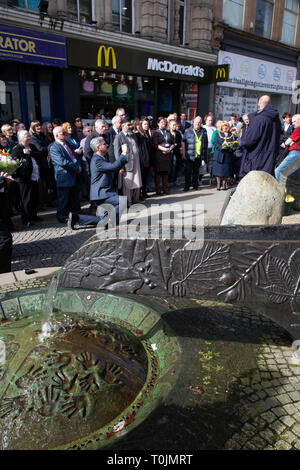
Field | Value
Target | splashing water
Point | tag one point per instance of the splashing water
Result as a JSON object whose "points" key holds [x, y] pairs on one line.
{"points": [[48, 308]]}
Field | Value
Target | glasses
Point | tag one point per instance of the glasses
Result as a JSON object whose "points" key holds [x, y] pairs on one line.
{"points": [[77, 120]]}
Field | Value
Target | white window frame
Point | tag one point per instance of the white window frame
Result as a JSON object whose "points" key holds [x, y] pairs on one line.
{"points": [[297, 15], [272, 21], [132, 17], [243, 17], [183, 4]]}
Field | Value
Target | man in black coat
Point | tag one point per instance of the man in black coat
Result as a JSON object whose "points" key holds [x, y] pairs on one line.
{"points": [[183, 124], [5, 235], [100, 128], [110, 136], [261, 140]]}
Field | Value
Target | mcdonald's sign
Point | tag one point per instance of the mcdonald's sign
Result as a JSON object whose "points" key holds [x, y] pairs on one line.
{"points": [[108, 53], [221, 73]]}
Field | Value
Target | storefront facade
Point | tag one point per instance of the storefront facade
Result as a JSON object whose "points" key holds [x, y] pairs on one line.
{"points": [[145, 83], [32, 65], [254, 71]]}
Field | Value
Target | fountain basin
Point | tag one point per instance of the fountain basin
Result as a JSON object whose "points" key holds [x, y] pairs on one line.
{"points": [[109, 361]]}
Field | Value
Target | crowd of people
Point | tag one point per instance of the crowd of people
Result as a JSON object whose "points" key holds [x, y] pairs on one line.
{"points": [[63, 163]]}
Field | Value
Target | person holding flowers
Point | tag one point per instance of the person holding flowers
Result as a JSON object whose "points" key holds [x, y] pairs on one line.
{"points": [[224, 146]]}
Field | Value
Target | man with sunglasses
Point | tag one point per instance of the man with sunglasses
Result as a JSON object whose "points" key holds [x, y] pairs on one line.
{"points": [[66, 168], [78, 129], [103, 183]]}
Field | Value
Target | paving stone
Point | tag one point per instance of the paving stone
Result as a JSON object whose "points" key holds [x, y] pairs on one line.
{"points": [[278, 427], [288, 420], [296, 430], [269, 417], [284, 398], [295, 396], [288, 436], [268, 435], [290, 409], [282, 445]]}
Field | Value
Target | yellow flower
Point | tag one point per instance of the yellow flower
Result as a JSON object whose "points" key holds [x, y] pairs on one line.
{"points": [[289, 198]]}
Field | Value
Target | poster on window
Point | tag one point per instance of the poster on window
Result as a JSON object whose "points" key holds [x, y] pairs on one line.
{"points": [[227, 105]]}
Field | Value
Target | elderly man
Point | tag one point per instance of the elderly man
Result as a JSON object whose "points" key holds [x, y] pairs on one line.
{"points": [[66, 168], [100, 128], [262, 139], [130, 178], [111, 134], [103, 189], [293, 143], [194, 151]]}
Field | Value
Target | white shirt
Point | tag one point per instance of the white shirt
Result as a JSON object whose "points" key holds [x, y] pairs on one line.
{"points": [[210, 130]]}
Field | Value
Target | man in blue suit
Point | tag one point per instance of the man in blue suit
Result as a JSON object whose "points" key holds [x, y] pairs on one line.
{"points": [[66, 168], [103, 184]]}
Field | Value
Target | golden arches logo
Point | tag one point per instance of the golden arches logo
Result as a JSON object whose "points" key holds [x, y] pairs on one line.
{"points": [[108, 51], [221, 73]]}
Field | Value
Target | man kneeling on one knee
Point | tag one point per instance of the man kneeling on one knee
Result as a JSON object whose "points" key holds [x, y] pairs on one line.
{"points": [[103, 189]]}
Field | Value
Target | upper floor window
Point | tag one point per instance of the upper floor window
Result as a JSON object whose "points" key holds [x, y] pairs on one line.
{"points": [[182, 22], [122, 15], [30, 4], [80, 10], [233, 13], [290, 19], [264, 18]]}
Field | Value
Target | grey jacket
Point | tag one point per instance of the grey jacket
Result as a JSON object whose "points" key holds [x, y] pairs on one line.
{"points": [[121, 139]]}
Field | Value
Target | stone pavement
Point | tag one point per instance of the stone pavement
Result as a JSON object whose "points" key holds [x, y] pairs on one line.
{"points": [[50, 243]]}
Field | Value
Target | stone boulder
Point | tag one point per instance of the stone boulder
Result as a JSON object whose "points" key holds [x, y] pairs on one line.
{"points": [[258, 200]]}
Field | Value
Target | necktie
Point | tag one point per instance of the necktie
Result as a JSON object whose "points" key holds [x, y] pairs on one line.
{"points": [[69, 151]]}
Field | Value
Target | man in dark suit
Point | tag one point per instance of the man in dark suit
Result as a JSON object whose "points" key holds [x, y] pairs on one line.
{"points": [[183, 124], [5, 235], [110, 135], [103, 188], [100, 128], [66, 168]]}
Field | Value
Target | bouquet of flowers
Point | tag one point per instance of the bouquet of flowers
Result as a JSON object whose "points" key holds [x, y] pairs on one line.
{"points": [[7, 164], [230, 145]]}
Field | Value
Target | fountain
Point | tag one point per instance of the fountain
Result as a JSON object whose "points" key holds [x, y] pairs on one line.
{"points": [[98, 354], [99, 371]]}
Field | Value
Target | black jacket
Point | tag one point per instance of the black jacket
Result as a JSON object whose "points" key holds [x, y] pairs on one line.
{"points": [[87, 151], [145, 149], [24, 171]]}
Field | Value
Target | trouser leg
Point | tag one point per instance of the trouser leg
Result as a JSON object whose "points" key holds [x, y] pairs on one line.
{"points": [[5, 251]]}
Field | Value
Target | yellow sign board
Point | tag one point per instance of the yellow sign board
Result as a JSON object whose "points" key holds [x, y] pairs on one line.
{"points": [[108, 53]]}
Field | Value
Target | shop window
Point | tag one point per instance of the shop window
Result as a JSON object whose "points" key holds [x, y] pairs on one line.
{"points": [[122, 15], [182, 22], [290, 19], [264, 18], [189, 99], [233, 13], [81, 11], [105, 92], [12, 106], [30, 4]]}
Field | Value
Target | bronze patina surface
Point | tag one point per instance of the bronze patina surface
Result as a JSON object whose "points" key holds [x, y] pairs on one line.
{"points": [[82, 385]]}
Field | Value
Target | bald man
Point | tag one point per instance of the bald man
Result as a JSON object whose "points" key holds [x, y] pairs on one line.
{"points": [[262, 139]]}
